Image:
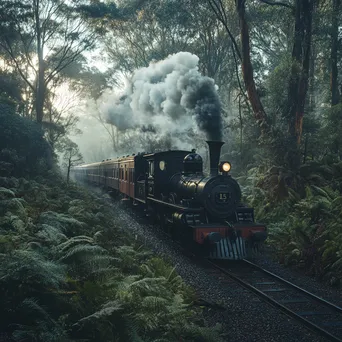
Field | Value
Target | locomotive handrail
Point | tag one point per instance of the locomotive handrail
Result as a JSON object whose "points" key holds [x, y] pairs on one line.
{"points": [[184, 209]]}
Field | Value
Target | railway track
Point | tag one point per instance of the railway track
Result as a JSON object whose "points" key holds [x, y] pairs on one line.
{"points": [[317, 314]]}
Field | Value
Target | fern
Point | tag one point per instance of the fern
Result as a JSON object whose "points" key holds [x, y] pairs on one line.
{"points": [[51, 235], [63, 247], [31, 267], [81, 252], [105, 313], [154, 304], [40, 325]]}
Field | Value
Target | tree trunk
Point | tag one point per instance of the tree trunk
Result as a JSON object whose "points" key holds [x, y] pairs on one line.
{"points": [[40, 93], [241, 128], [40, 86], [316, 22], [247, 69], [335, 94], [299, 79], [312, 96]]}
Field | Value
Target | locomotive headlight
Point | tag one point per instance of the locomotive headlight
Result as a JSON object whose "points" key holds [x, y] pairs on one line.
{"points": [[225, 166]]}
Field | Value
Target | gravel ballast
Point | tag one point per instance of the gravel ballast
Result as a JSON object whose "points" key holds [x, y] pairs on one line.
{"points": [[243, 316], [298, 277]]}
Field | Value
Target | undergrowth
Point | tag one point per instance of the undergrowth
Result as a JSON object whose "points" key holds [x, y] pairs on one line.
{"points": [[303, 212], [73, 274]]}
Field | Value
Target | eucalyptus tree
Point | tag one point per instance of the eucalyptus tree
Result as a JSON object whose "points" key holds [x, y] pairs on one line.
{"points": [[41, 38], [297, 86]]}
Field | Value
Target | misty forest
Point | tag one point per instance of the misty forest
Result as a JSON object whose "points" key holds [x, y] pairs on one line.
{"points": [[87, 80]]}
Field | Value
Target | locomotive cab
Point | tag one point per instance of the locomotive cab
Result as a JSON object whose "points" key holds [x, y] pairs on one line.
{"points": [[161, 167]]}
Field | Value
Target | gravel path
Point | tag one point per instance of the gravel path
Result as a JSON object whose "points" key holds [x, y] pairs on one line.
{"points": [[243, 316]]}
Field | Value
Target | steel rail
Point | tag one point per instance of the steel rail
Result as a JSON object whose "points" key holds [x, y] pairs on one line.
{"points": [[319, 299], [289, 312]]}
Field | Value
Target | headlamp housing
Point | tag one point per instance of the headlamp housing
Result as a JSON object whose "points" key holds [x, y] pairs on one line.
{"points": [[225, 166]]}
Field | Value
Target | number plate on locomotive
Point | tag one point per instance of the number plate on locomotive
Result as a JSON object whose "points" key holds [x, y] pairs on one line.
{"points": [[222, 197]]}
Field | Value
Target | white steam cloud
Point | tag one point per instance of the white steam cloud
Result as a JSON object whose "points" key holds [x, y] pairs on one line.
{"points": [[167, 97]]}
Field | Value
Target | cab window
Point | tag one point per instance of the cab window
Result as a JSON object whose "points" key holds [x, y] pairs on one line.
{"points": [[151, 169]]}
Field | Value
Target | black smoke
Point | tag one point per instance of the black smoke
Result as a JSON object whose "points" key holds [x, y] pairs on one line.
{"points": [[168, 97]]}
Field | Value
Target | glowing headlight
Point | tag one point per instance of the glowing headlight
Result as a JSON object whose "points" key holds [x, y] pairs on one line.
{"points": [[225, 167]]}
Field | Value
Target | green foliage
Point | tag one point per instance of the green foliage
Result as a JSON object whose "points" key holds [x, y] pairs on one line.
{"points": [[42, 326], [304, 215], [60, 286], [330, 133], [100, 10], [277, 90], [10, 87], [23, 146]]}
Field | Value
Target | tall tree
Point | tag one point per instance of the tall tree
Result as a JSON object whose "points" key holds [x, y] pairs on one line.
{"points": [[298, 82], [41, 38], [299, 79], [335, 94], [219, 8], [247, 68]]}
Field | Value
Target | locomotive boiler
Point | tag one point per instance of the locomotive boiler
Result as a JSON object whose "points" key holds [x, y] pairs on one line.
{"points": [[191, 206]]}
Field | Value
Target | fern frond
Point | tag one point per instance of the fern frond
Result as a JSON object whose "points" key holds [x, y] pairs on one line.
{"points": [[154, 304], [74, 241], [43, 328], [106, 311], [51, 234], [321, 191], [81, 252], [32, 267]]}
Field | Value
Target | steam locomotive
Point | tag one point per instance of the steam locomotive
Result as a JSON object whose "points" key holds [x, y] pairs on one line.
{"points": [[205, 210]]}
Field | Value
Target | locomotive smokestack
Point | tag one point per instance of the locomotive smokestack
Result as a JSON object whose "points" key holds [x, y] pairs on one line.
{"points": [[214, 156]]}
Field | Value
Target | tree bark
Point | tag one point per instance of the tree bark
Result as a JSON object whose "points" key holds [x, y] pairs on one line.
{"points": [[40, 86], [299, 79], [311, 90], [247, 69], [335, 94]]}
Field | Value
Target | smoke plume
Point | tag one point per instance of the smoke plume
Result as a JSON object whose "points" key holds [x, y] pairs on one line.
{"points": [[167, 97]]}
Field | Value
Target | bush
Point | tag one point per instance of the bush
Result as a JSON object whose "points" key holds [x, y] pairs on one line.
{"points": [[23, 146], [304, 215]]}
